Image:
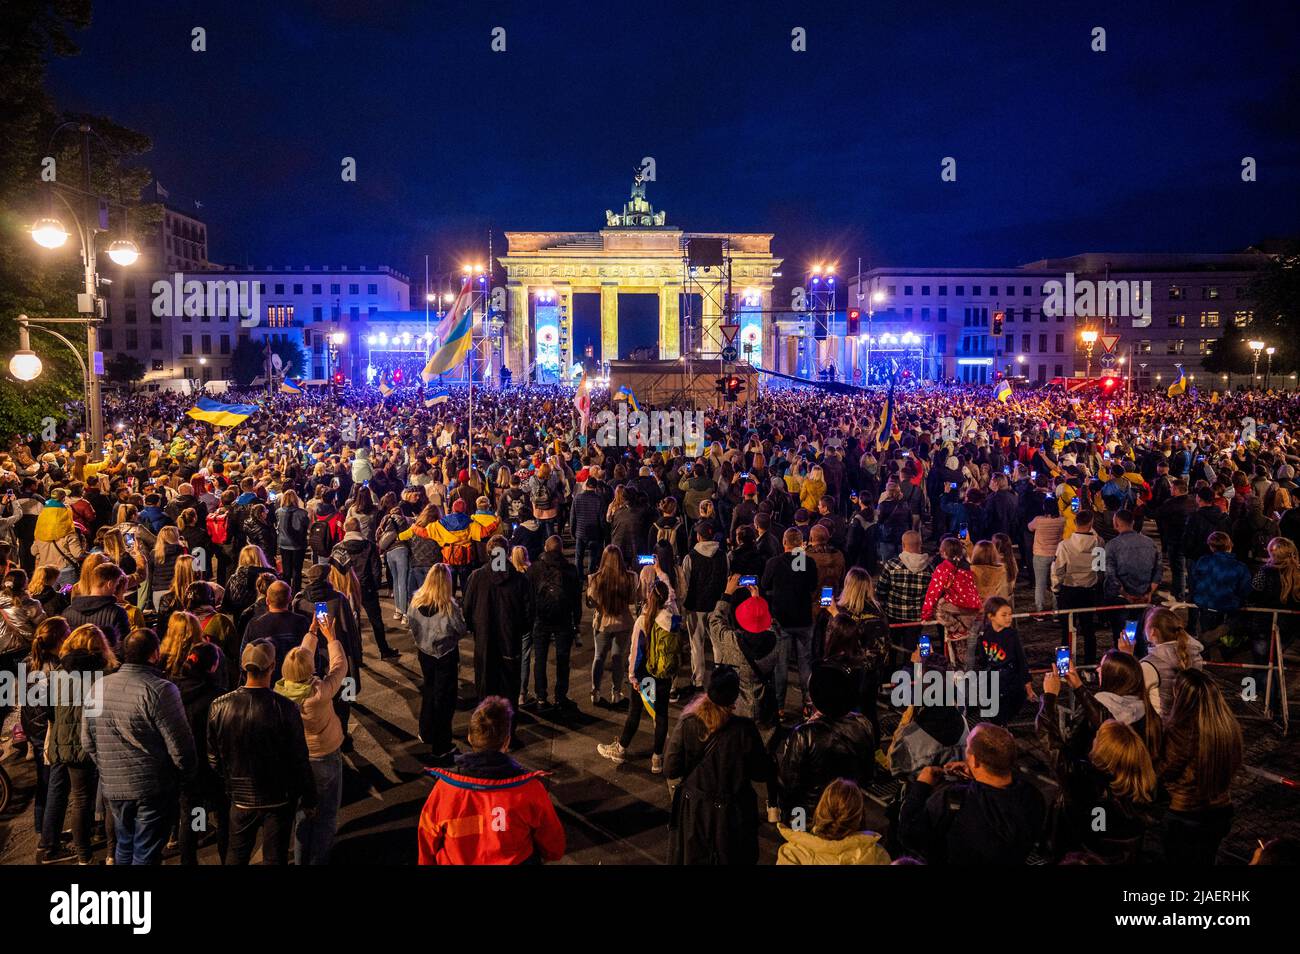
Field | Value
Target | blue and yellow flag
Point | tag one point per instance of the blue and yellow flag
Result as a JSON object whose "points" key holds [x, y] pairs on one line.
{"points": [[886, 421], [625, 393], [436, 396], [1179, 386], [290, 386], [385, 386], [460, 334], [221, 415], [1004, 391]]}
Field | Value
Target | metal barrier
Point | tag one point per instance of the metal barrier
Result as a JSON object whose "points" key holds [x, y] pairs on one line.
{"points": [[1275, 652]]}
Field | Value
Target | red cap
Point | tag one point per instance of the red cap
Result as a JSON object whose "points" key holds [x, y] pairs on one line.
{"points": [[463, 476], [458, 506], [749, 488], [582, 475], [753, 616]]}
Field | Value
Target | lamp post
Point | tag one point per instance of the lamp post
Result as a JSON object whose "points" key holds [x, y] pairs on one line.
{"points": [[1256, 346], [336, 341], [1268, 368], [877, 297], [1089, 337]]}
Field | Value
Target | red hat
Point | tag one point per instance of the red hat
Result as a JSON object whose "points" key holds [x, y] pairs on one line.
{"points": [[463, 476], [749, 488], [753, 616], [458, 506], [582, 475]]}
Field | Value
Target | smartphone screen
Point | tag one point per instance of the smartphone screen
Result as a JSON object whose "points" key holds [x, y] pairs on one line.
{"points": [[1074, 504], [923, 644], [749, 581], [1062, 660], [963, 531], [1033, 475], [322, 610], [1007, 471], [645, 559], [826, 595], [130, 539], [1131, 630]]}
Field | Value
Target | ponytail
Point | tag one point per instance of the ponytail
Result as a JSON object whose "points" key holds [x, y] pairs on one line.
{"points": [[1184, 653]]}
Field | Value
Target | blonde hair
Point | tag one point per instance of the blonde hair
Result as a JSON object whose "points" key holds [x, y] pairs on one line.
{"points": [[298, 666], [519, 557], [86, 580], [166, 535], [253, 555], [347, 584], [89, 638], [183, 634], [859, 594], [841, 811], [1162, 625], [44, 575], [1283, 557], [435, 591], [1121, 754], [182, 576], [290, 499]]}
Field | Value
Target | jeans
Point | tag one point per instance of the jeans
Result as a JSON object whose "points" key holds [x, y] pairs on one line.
{"points": [[277, 828], [1043, 583], [414, 579], [801, 637], [399, 567], [438, 699], [1085, 624], [888, 551], [697, 627], [617, 642], [591, 549], [525, 660], [143, 826], [215, 806], [291, 563], [72, 786], [1177, 573], [634, 709], [314, 837], [542, 639]]}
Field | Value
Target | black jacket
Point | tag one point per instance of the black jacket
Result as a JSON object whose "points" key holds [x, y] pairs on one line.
{"points": [[552, 569], [587, 513], [1202, 522], [970, 823], [789, 592], [816, 753], [104, 612], [498, 609], [257, 745]]}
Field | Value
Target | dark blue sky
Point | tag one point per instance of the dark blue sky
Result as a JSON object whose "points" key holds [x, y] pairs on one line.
{"points": [[836, 150]]}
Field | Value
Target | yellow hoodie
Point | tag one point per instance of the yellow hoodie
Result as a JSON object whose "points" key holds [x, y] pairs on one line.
{"points": [[805, 848]]}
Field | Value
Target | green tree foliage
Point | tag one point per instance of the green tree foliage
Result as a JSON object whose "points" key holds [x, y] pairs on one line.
{"points": [[124, 369], [1275, 292], [35, 281]]}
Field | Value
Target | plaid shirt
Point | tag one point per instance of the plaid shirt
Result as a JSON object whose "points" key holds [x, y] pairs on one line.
{"points": [[901, 592]]}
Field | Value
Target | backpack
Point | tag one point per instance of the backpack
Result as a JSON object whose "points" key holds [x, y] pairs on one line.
{"points": [[552, 607], [543, 499], [515, 507], [320, 537], [219, 526], [664, 652], [667, 533]]}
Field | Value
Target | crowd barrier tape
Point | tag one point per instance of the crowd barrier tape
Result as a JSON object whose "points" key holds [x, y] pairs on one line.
{"points": [[1275, 651]]}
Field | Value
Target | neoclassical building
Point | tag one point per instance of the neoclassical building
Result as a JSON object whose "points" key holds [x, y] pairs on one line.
{"points": [[636, 253]]}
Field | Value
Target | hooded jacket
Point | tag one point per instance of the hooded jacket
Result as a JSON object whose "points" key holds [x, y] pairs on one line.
{"points": [[56, 541], [752, 654], [315, 700], [819, 751], [972, 823], [456, 822], [806, 848], [1073, 564]]}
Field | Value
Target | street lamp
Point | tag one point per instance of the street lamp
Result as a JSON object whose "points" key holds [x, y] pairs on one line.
{"points": [[1089, 337], [877, 297], [1256, 346], [1268, 368], [49, 233]]}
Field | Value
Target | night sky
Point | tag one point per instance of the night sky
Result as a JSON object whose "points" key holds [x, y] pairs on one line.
{"points": [[836, 150]]}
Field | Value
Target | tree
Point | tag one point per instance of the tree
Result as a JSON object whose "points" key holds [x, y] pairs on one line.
{"points": [[247, 362], [124, 369], [34, 281], [1275, 291]]}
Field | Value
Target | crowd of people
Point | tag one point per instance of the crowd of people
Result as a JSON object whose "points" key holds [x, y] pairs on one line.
{"points": [[752, 597]]}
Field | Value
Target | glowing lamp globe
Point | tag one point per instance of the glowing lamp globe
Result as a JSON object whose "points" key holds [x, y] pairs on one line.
{"points": [[49, 233], [25, 365], [123, 252]]}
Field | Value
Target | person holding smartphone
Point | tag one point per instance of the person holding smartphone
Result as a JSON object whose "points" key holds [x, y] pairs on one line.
{"points": [[998, 649]]}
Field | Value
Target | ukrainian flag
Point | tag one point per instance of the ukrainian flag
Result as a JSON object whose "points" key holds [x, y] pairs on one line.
{"points": [[1179, 386], [221, 415], [289, 386], [456, 345], [1004, 391], [886, 421], [437, 396], [625, 393], [385, 388]]}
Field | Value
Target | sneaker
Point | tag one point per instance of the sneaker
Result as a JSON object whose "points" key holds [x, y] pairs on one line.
{"points": [[674, 695], [597, 700], [656, 765], [54, 856], [613, 751], [617, 699]]}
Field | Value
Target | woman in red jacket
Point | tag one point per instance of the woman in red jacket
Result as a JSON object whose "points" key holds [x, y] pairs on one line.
{"points": [[952, 597], [489, 810]]}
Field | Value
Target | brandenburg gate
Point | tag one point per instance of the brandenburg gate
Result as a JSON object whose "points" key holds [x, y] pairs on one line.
{"points": [[636, 253]]}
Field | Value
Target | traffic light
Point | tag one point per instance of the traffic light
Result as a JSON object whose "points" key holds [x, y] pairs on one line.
{"points": [[338, 378], [854, 322], [998, 316], [733, 385]]}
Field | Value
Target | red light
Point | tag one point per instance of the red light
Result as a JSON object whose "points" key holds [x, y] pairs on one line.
{"points": [[338, 377], [1108, 383]]}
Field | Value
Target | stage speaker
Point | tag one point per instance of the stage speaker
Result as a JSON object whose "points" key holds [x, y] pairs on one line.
{"points": [[704, 253]]}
